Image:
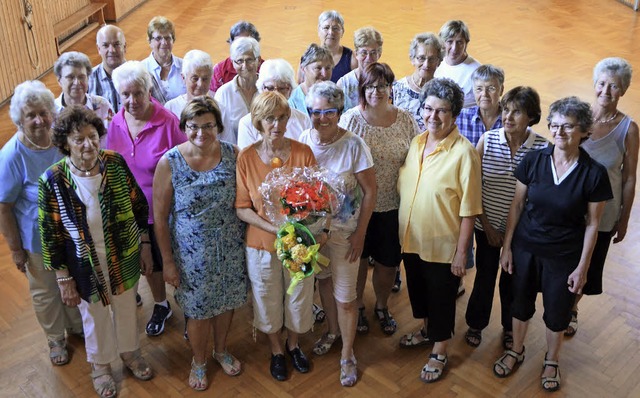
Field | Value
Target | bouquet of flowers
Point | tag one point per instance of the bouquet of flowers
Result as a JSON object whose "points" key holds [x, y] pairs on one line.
{"points": [[301, 200]]}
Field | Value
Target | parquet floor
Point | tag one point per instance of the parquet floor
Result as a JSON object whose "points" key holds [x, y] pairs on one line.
{"points": [[551, 45]]}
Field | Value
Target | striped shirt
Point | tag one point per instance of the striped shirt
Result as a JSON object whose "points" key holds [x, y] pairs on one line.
{"points": [[66, 239], [498, 180]]}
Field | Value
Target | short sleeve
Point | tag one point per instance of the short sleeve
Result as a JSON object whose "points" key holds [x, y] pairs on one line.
{"points": [[601, 186], [523, 170], [243, 195], [11, 179]]}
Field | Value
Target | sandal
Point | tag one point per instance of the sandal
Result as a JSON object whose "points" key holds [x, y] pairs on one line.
{"points": [[230, 365], [412, 339], [198, 376], [58, 353], [507, 339], [435, 371], [506, 371], [387, 323], [137, 365], [106, 388], [550, 379], [324, 344], [348, 372], [573, 325], [363, 322], [319, 313], [473, 337]]}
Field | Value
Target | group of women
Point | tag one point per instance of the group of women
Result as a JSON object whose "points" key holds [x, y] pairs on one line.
{"points": [[178, 195]]}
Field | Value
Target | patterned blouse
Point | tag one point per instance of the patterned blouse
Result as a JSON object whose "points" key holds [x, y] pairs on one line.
{"points": [[389, 147], [67, 241]]}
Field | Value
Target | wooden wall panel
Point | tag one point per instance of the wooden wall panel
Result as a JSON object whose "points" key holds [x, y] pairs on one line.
{"points": [[17, 43], [117, 9]]}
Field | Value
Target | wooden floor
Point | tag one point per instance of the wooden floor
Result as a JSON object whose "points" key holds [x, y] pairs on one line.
{"points": [[551, 45]]}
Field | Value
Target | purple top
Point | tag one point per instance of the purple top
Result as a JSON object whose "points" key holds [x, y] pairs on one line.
{"points": [[343, 66], [161, 133]]}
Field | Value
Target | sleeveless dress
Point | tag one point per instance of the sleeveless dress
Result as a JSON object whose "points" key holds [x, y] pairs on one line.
{"points": [[343, 66], [609, 152], [207, 238]]}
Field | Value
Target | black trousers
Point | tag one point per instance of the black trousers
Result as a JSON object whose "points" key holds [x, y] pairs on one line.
{"points": [[481, 299]]}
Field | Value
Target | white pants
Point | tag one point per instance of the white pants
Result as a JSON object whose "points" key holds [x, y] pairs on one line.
{"points": [[272, 306], [110, 330], [343, 273], [54, 317]]}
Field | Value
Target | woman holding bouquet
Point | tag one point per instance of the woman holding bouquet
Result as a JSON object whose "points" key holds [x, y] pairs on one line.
{"points": [[197, 231], [272, 307], [347, 155]]}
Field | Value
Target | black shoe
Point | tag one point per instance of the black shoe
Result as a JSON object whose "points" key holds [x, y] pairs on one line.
{"points": [[138, 300], [155, 326], [278, 367], [300, 361]]}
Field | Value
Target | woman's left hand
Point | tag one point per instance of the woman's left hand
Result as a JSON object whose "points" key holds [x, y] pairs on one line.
{"points": [[576, 280], [146, 260]]}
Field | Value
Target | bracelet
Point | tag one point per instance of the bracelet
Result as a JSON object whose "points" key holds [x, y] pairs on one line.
{"points": [[64, 279]]}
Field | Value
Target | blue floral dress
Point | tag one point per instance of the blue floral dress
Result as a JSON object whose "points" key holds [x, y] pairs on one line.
{"points": [[207, 238]]}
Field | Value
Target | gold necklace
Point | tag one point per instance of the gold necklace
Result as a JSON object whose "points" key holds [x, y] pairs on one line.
{"points": [[615, 115], [331, 140]]}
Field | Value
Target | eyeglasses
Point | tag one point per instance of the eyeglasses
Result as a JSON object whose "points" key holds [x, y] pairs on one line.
{"points": [[567, 127], [205, 128], [430, 60], [439, 112], [244, 61], [273, 120], [159, 39], [280, 89], [373, 53], [333, 28], [330, 113], [379, 88], [489, 89]]}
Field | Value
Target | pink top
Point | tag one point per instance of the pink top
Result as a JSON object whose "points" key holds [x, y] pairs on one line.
{"points": [[161, 133]]}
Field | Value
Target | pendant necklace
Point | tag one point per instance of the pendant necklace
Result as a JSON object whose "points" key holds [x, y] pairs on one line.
{"points": [[86, 172]]}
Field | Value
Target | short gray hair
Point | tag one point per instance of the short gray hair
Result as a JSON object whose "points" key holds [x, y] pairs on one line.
{"points": [[132, 72], [573, 107], [328, 90], [241, 27], [242, 45], [452, 28], [446, 90], [487, 72], [315, 53], [615, 66], [74, 59], [276, 69], [30, 92], [196, 59], [426, 39], [331, 15]]}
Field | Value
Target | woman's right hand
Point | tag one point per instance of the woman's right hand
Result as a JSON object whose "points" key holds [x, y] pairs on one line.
{"points": [[506, 260], [69, 293], [20, 259], [170, 274], [494, 237]]}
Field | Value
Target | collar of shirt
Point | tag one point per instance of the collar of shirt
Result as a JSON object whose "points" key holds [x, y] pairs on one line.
{"points": [[528, 143], [443, 145], [156, 66]]}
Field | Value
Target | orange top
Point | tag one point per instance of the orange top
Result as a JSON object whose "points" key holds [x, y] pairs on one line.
{"points": [[251, 171]]}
